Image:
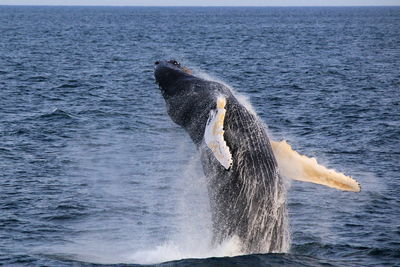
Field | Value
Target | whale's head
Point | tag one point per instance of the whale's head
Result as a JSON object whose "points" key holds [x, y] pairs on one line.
{"points": [[169, 75], [188, 98]]}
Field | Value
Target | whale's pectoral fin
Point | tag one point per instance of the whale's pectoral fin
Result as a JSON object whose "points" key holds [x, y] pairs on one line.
{"points": [[214, 134], [299, 167]]}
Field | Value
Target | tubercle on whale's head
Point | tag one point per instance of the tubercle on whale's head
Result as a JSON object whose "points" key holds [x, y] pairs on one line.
{"points": [[167, 74]]}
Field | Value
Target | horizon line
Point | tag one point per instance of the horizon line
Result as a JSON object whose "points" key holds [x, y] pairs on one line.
{"points": [[55, 5]]}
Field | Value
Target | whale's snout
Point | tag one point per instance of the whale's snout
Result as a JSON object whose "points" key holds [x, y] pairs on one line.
{"points": [[172, 64], [168, 63], [168, 72]]}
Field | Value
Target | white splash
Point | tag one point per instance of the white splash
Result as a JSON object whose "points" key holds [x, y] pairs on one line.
{"points": [[194, 236], [171, 251]]}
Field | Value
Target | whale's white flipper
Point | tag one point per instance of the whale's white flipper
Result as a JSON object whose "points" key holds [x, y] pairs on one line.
{"points": [[214, 134], [299, 167]]}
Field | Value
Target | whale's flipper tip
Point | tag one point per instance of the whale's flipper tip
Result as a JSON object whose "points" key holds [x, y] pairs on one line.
{"points": [[302, 168]]}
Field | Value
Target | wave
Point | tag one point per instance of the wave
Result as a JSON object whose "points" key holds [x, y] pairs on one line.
{"points": [[57, 114]]}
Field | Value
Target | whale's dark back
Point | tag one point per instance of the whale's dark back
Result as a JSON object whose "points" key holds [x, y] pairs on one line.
{"points": [[249, 200]]}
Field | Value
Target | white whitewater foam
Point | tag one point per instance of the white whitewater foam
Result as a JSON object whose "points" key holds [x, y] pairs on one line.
{"points": [[194, 236], [171, 251]]}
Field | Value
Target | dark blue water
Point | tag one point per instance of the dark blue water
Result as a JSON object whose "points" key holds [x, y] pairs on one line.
{"points": [[92, 170]]}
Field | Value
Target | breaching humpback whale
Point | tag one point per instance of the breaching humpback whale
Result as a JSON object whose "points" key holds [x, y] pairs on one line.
{"points": [[244, 179]]}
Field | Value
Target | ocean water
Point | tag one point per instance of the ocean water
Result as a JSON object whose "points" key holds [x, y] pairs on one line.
{"points": [[93, 171]]}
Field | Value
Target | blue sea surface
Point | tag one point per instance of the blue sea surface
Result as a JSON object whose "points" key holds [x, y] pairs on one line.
{"points": [[93, 171]]}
